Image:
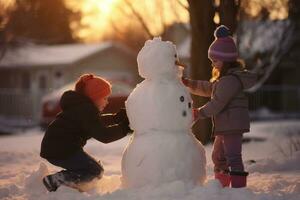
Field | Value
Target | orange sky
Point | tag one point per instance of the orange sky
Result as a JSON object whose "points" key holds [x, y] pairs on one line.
{"points": [[97, 15]]}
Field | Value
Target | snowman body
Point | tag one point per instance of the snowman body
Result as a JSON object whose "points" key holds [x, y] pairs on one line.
{"points": [[162, 148]]}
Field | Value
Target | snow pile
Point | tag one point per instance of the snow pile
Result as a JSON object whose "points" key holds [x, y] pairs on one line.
{"points": [[282, 164], [159, 109], [21, 171], [281, 188]]}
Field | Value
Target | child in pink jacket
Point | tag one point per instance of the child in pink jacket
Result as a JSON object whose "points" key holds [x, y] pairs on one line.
{"points": [[228, 107]]}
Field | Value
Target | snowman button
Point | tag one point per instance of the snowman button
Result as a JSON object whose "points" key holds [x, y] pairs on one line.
{"points": [[190, 104], [182, 99], [184, 113]]}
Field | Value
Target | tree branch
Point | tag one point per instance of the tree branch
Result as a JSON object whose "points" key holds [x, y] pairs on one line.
{"points": [[182, 5], [139, 17]]}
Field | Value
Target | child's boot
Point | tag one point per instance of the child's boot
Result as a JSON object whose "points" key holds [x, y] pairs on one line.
{"points": [[238, 179], [223, 177], [52, 182]]}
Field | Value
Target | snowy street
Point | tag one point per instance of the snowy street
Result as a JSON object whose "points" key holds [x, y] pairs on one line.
{"points": [[274, 169]]}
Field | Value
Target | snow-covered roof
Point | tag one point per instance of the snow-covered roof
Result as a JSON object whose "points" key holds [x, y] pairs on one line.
{"points": [[41, 55]]}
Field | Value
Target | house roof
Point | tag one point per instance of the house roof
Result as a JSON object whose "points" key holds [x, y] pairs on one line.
{"points": [[41, 55]]}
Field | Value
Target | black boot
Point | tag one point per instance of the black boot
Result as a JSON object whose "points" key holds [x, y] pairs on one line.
{"points": [[51, 182], [238, 179]]}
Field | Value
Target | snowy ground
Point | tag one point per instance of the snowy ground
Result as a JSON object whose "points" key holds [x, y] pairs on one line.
{"points": [[273, 165]]}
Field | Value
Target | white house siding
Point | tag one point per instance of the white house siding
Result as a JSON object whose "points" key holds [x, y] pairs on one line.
{"points": [[24, 82], [110, 63]]}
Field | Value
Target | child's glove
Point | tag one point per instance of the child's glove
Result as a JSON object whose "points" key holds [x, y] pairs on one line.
{"points": [[122, 119], [185, 81], [195, 112], [125, 127], [189, 82], [121, 115], [198, 114]]}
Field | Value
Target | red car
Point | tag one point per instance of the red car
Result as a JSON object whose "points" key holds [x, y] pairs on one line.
{"points": [[51, 107]]}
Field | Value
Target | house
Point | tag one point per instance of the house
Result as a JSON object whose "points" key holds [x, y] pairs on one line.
{"points": [[272, 50], [29, 72]]}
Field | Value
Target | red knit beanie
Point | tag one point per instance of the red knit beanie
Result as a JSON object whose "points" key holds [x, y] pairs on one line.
{"points": [[92, 86], [223, 47]]}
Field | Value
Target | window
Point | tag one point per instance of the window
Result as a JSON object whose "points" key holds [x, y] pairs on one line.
{"points": [[42, 82], [25, 80]]}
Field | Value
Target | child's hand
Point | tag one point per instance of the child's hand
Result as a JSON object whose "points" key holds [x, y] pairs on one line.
{"points": [[195, 113], [185, 81], [122, 119], [126, 128], [121, 116]]}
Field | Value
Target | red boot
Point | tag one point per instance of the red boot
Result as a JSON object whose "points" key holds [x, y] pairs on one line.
{"points": [[238, 179], [223, 177]]}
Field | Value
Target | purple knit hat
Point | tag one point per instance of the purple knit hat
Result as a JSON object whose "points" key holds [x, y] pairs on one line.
{"points": [[223, 47]]}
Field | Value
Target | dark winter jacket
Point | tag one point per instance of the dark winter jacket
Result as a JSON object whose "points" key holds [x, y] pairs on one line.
{"points": [[228, 106], [79, 121]]}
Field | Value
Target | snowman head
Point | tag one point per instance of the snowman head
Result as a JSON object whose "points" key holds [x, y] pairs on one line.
{"points": [[156, 60]]}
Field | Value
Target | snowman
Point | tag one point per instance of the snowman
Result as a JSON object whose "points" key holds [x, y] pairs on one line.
{"points": [[162, 148]]}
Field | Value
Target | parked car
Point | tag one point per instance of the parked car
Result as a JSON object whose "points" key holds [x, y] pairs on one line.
{"points": [[51, 107]]}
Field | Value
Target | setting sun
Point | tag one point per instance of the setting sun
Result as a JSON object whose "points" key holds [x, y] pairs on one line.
{"points": [[95, 17], [98, 16]]}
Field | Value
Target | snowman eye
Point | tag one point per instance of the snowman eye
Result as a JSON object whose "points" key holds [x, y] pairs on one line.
{"points": [[181, 98], [175, 55], [190, 104]]}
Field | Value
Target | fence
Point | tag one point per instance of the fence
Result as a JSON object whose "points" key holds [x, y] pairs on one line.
{"points": [[277, 99], [20, 107]]}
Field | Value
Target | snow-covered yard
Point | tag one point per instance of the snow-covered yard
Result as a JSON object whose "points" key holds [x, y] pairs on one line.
{"points": [[273, 165]]}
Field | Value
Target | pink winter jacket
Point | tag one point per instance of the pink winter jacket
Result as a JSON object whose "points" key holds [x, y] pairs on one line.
{"points": [[228, 105]]}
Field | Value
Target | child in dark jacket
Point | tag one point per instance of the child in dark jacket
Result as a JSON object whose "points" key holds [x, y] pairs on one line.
{"points": [[79, 121], [228, 107]]}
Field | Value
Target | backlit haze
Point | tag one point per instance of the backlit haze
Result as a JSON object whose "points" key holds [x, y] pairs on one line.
{"points": [[102, 17]]}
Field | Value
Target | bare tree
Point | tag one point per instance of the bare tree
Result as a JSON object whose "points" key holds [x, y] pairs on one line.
{"points": [[41, 21], [294, 9], [182, 5], [4, 39], [228, 11], [142, 24], [130, 36], [139, 17], [202, 28]]}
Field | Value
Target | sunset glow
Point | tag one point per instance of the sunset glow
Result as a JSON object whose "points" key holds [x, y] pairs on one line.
{"points": [[277, 9], [95, 17], [98, 16]]}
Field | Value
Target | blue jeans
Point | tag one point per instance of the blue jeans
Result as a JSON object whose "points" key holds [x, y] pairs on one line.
{"points": [[79, 168]]}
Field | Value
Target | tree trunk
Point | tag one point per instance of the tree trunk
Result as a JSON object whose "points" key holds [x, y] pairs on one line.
{"points": [[202, 28], [294, 9], [228, 11]]}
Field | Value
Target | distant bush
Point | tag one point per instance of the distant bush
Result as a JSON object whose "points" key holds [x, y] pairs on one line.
{"points": [[291, 146]]}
